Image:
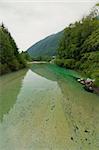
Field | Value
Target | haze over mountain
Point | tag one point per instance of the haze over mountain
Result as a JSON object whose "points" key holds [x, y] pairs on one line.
{"points": [[46, 47]]}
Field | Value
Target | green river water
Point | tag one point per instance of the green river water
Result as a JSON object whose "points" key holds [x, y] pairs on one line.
{"points": [[45, 108]]}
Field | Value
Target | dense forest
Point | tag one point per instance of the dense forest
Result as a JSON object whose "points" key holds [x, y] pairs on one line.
{"points": [[79, 47], [10, 58]]}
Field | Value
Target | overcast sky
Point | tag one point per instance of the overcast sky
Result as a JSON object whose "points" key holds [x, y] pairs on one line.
{"points": [[32, 20]]}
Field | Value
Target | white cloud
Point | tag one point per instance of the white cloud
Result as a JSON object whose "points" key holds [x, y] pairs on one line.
{"points": [[29, 22]]}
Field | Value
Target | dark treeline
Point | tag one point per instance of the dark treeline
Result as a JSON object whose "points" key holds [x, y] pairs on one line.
{"points": [[10, 58], [79, 47]]}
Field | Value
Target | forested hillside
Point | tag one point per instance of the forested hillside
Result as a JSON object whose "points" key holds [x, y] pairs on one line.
{"points": [[46, 47], [10, 59], [79, 47]]}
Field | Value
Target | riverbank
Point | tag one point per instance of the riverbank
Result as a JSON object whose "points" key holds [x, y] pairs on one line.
{"points": [[85, 74], [37, 62], [25, 67], [89, 85]]}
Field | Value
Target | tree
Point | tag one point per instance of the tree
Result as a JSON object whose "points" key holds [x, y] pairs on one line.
{"points": [[10, 59]]}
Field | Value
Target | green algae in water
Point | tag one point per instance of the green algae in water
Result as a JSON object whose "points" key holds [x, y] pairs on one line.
{"points": [[51, 112], [10, 85]]}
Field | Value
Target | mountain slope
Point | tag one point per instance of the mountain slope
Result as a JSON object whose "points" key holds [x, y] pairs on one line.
{"points": [[45, 47]]}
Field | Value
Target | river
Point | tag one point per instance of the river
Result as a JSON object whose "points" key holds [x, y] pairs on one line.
{"points": [[45, 108]]}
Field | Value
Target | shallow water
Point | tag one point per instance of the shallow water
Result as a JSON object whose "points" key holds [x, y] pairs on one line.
{"points": [[44, 108]]}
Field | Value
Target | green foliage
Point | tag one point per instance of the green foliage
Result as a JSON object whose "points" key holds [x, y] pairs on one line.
{"points": [[90, 62], [79, 47], [10, 59], [92, 42], [42, 58], [97, 4], [68, 63], [81, 37], [4, 69], [95, 75], [26, 56]]}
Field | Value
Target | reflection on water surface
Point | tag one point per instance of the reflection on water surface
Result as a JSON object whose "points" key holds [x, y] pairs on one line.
{"points": [[51, 112]]}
